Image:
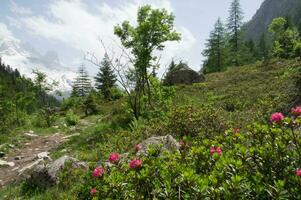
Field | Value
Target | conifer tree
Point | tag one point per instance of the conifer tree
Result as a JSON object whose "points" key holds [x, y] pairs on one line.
{"points": [[215, 49], [82, 83], [234, 26], [105, 78]]}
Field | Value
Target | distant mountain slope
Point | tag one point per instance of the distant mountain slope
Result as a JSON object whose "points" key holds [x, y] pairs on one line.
{"points": [[26, 59], [269, 10]]}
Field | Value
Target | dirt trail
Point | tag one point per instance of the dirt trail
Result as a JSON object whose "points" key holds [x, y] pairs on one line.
{"points": [[27, 155]]}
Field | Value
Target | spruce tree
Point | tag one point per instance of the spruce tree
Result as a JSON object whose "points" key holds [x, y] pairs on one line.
{"points": [[234, 26], [215, 49], [82, 83], [105, 78]]}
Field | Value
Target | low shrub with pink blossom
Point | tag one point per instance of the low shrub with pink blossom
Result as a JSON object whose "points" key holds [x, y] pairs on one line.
{"points": [[277, 117], [114, 158], [261, 162], [296, 111], [98, 172]]}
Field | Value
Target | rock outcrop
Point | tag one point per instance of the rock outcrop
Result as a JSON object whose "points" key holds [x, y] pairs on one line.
{"points": [[46, 175], [165, 143]]}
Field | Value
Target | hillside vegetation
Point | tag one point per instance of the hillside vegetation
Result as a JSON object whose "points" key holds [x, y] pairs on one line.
{"points": [[232, 132], [218, 113]]}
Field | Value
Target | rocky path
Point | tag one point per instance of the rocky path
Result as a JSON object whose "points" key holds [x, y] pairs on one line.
{"points": [[18, 160]]}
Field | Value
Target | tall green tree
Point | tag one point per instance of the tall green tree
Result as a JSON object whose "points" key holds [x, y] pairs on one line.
{"points": [[215, 49], [82, 83], [286, 38], [234, 29], [154, 28], [105, 78]]}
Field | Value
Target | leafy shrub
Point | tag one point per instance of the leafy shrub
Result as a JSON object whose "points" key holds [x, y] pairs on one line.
{"points": [[71, 118], [189, 121], [116, 93], [260, 163]]}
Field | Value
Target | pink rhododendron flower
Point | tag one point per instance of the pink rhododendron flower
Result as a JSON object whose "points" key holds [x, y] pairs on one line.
{"points": [[236, 130], [138, 147], [296, 111], [277, 117], [298, 172], [217, 150], [212, 150], [93, 191], [98, 172], [135, 163], [114, 158]]}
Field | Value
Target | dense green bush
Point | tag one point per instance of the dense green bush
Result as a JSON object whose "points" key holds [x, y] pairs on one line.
{"points": [[261, 162], [71, 118]]}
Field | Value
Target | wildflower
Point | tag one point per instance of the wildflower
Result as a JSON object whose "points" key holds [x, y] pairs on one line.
{"points": [[93, 191], [212, 150], [276, 117], [236, 130], [114, 158], [138, 147], [298, 172], [296, 111], [135, 163], [98, 172], [217, 150]]}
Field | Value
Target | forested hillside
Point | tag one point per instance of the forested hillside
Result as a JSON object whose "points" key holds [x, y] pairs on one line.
{"points": [[20, 97], [269, 10]]}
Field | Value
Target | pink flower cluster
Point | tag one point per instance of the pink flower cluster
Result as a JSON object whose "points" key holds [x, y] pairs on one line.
{"points": [[114, 158], [135, 164], [277, 117], [217, 150], [296, 111], [93, 191], [138, 147], [98, 172], [236, 130]]}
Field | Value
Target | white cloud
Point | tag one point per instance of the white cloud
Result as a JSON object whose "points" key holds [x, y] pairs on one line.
{"points": [[15, 8], [4, 32], [78, 25]]}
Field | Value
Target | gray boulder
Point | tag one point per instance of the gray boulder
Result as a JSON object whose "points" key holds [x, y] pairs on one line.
{"points": [[164, 143], [47, 175]]}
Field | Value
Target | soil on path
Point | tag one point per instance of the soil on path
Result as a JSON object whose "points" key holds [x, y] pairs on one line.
{"points": [[27, 155]]}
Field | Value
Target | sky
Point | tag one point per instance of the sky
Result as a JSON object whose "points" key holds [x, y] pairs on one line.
{"points": [[73, 27]]}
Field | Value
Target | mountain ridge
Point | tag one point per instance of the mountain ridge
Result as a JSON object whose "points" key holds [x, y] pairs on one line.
{"points": [[269, 10]]}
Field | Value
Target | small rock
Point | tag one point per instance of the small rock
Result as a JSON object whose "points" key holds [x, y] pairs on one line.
{"points": [[165, 143], [43, 155], [70, 136], [4, 163], [56, 127], [30, 134], [16, 168], [11, 146], [18, 157]]}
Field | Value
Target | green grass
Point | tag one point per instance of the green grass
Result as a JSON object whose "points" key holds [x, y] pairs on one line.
{"points": [[245, 93]]}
